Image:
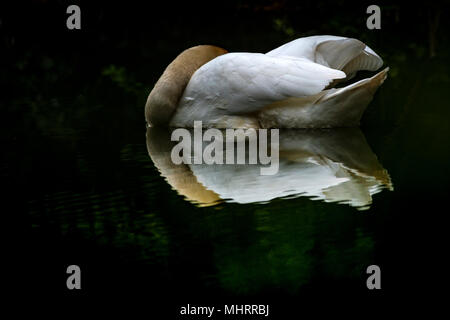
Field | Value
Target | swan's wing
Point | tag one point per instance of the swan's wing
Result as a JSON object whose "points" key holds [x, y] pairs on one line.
{"points": [[241, 83], [330, 108], [347, 54]]}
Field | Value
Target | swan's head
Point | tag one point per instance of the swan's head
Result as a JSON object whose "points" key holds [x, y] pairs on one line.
{"points": [[163, 99]]}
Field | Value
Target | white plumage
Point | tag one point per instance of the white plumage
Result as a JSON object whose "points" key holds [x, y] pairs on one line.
{"points": [[283, 87]]}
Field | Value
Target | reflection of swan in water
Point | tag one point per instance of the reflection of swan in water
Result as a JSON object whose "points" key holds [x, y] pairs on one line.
{"points": [[334, 165]]}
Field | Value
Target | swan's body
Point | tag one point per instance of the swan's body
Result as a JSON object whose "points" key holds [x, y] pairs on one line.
{"points": [[287, 87]]}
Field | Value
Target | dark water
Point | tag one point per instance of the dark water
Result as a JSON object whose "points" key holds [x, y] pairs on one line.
{"points": [[93, 197], [80, 178]]}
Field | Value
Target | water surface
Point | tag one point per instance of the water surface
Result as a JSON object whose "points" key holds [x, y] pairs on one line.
{"points": [[79, 176]]}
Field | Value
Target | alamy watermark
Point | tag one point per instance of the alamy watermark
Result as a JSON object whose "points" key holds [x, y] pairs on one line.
{"points": [[374, 280], [74, 280], [74, 20], [374, 20], [226, 147]]}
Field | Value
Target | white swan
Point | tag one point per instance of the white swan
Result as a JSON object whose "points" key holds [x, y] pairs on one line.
{"points": [[288, 87]]}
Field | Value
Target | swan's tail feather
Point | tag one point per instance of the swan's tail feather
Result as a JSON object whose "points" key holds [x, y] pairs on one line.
{"points": [[331, 108], [369, 86]]}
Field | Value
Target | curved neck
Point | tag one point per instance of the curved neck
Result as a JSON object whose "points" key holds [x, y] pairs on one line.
{"points": [[163, 99]]}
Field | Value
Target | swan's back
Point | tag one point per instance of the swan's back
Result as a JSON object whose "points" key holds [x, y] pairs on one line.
{"points": [[244, 83]]}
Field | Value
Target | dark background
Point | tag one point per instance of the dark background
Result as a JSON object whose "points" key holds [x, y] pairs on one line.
{"points": [[72, 99]]}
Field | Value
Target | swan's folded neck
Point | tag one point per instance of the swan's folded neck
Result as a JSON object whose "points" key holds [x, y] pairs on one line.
{"points": [[163, 99]]}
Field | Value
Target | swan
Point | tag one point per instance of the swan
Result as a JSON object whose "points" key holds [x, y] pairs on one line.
{"points": [[291, 86]]}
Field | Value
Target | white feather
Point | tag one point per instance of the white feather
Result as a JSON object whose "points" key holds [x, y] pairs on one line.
{"points": [[333, 51], [331, 108], [286, 87], [242, 83]]}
